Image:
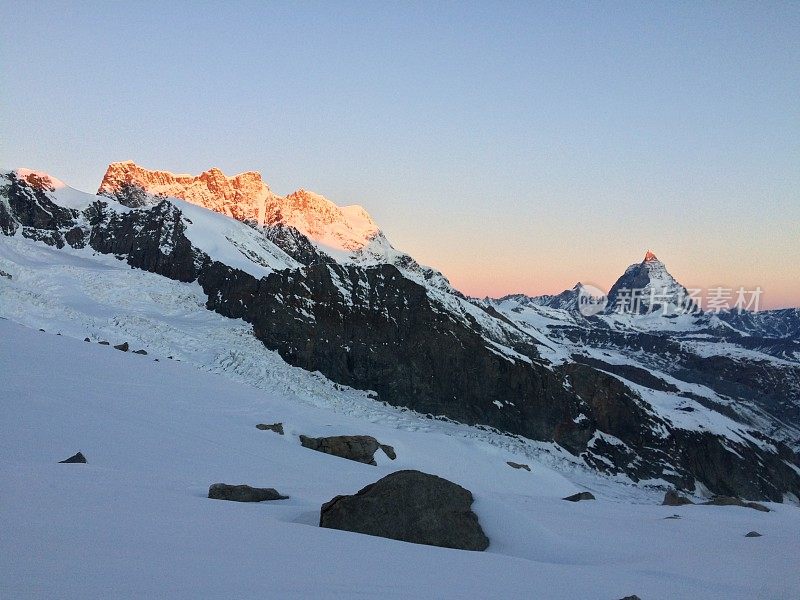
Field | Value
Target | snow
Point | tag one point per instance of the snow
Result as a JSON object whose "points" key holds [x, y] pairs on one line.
{"points": [[63, 195], [231, 242], [135, 521]]}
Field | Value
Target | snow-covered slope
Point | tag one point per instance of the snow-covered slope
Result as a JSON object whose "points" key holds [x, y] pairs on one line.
{"points": [[135, 521]]}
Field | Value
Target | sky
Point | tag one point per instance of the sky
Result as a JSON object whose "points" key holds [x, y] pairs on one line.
{"points": [[515, 146]]}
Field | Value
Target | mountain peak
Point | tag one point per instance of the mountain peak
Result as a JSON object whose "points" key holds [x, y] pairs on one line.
{"points": [[245, 197], [646, 287]]}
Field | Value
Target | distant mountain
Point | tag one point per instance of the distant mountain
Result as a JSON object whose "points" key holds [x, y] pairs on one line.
{"points": [[689, 401], [566, 300], [647, 287]]}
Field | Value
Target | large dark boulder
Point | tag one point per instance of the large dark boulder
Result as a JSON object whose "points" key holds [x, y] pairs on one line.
{"points": [[243, 493], [360, 448], [412, 507]]}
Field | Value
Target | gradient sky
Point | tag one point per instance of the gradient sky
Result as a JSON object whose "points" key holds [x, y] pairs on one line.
{"points": [[517, 147]]}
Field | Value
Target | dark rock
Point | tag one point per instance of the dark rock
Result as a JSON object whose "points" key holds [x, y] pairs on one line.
{"points": [[580, 496], [103, 343], [673, 517], [360, 448], [276, 427], [4, 274], [243, 493], [673, 498], [86, 340], [123, 346], [730, 501], [388, 451], [41, 330], [143, 352], [518, 465], [410, 506], [634, 597], [75, 458], [753, 534]]}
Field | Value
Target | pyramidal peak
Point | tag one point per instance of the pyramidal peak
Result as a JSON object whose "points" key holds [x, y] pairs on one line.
{"points": [[650, 257]]}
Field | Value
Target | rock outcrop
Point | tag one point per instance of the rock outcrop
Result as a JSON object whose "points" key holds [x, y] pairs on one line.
{"points": [[412, 507], [673, 498]]}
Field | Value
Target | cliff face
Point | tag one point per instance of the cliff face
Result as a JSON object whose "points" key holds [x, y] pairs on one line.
{"points": [[243, 197]]}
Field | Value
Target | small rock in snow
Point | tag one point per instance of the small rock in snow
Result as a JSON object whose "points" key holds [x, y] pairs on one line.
{"points": [[514, 465], [753, 534], [580, 496], [243, 493], [75, 458], [276, 427]]}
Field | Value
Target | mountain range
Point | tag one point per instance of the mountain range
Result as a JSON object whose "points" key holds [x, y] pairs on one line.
{"points": [[663, 395]]}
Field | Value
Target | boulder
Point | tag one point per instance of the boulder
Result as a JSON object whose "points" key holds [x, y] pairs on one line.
{"points": [[514, 465], [103, 343], [673, 498], [243, 493], [276, 427], [410, 506], [86, 340], [731, 501], [142, 352], [123, 346], [580, 496], [75, 458], [752, 534], [388, 451], [360, 448]]}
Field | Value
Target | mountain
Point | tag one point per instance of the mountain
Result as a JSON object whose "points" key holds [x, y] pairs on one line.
{"points": [[672, 407], [346, 234], [566, 300], [648, 287]]}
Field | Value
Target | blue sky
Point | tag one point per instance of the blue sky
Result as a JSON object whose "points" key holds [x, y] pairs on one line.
{"points": [[515, 146]]}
